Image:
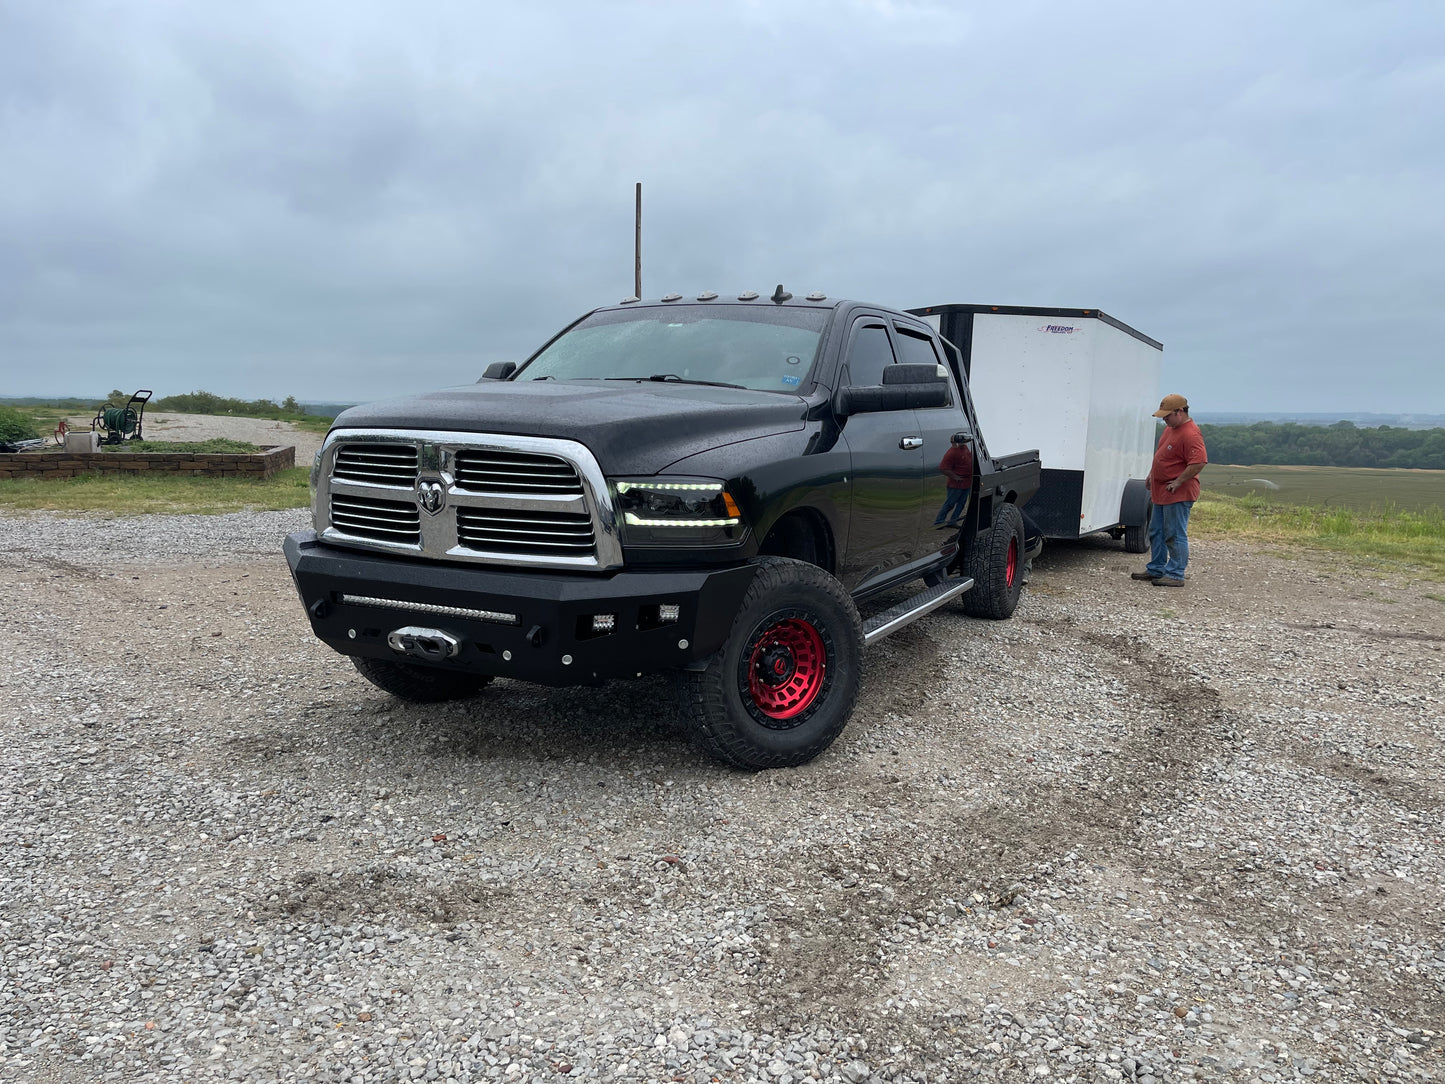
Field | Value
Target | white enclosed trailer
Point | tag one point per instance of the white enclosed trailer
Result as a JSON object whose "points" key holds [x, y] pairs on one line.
{"points": [[1079, 386]]}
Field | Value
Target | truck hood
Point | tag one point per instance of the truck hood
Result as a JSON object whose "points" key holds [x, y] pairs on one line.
{"points": [[632, 427]]}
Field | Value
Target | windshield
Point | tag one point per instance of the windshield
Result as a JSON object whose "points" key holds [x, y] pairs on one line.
{"points": [[768, 349]]}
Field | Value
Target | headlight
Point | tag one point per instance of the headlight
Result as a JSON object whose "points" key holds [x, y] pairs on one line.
{"points": [[676, 511]]}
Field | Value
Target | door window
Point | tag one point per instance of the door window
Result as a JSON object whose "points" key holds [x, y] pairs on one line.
{"points": [[915, 348], [868, 355]]}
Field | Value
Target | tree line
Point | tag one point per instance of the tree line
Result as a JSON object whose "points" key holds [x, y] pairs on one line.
{"points": [[205, 402], [1340, 445]]}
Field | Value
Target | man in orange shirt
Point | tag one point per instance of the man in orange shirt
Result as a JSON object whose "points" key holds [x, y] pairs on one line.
{"points": [[957, 466], [1173, 488]]}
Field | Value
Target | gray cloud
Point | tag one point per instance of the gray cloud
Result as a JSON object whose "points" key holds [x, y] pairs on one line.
{"points": [[343, 201]]}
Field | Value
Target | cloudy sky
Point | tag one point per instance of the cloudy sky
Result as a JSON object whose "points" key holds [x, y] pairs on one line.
{"points": [[347, 200]]}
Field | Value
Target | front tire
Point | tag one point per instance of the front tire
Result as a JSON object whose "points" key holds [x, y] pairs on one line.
{"points": [[419, 684], [995, 561], [784, 684]]}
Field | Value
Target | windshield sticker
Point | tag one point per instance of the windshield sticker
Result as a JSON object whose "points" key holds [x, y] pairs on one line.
{"points": [[792, 381]]}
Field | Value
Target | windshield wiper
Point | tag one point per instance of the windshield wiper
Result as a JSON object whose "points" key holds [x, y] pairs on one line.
{"points": [[673, 378]]}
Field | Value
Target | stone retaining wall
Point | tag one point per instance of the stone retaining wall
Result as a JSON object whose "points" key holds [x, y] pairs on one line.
{"points": [[62, 464]]}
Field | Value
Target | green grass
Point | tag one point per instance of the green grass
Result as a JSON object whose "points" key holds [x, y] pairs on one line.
{"points": [[212, 446], [1361, 489], [133, 495], [1379, 539]]}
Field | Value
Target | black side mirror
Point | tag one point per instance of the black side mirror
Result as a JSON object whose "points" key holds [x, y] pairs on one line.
{"points": [[875, 400], [499, 370]]}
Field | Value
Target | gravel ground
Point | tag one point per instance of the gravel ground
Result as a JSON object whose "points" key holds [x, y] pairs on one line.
{"points": [[1133, 834]]}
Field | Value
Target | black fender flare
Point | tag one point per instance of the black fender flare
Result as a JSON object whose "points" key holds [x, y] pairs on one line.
{"points": [[1134, 505]]}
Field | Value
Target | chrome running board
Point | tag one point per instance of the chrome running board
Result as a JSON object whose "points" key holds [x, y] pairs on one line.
{"points": [[911, 609]]}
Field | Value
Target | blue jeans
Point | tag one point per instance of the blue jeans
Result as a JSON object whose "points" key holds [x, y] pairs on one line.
{"points": [[1169, 540], [953, 505]]}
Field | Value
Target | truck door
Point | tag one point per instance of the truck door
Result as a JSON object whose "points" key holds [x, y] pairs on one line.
{"points": [[886, 451], [936, 425]]}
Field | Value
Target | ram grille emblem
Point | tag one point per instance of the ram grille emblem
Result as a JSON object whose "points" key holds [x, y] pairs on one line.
{"points": [[432, 496]]}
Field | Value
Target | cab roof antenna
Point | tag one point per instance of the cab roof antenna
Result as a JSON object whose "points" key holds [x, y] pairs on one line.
{"points": [[780, 295]]}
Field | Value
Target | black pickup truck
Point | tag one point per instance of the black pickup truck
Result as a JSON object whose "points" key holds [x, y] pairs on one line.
{"points": [[710, 487]]}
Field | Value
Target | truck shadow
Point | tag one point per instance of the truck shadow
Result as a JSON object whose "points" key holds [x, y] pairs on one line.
{"points": [[621, 722]]}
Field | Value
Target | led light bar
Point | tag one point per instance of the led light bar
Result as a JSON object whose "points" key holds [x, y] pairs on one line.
{"points": [[633, 520], [671, 487], [490, 616]]}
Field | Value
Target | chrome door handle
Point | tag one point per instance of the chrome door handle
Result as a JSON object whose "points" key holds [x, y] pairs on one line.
{"points": [[909, 443]]}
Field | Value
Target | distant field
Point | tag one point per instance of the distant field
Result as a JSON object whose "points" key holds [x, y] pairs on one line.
{"points": [[1361, 489]]}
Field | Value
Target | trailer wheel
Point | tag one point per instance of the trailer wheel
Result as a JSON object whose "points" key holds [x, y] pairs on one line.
{"points": [[783, 686], [419, 684], [995, 561], [1136, 538]]}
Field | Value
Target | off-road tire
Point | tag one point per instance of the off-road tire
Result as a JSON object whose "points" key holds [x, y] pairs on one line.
{"points": [[995, 562], [783, 686], [1136, 539], [417, 683]]}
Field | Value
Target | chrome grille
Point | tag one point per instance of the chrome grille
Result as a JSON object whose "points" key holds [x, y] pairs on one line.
{"points": [[382, 464], [499, 499], [496, 470], [385, 521], [496, 530]]}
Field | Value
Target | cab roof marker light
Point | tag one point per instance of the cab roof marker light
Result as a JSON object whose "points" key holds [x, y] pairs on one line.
{"points": [[707, 295], [816, 295], [672, 297], [629, 300], [748, 295]]}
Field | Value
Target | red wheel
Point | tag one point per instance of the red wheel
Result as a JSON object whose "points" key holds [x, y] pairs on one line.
{"points": [[787, 666], [992, 562], [784, 684]]}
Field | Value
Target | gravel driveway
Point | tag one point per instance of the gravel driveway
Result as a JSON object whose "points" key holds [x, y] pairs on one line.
{"points": [[1132, 834]]}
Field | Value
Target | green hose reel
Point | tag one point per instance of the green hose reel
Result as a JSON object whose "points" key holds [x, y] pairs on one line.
{"points": [[120, 423], [122, 420]]}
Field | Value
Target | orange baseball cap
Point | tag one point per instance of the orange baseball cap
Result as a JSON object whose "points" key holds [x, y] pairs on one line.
{"points": [[1170, 403]]}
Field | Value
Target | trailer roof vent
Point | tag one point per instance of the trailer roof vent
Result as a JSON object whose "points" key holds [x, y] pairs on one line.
{"points": [[748, 295]]}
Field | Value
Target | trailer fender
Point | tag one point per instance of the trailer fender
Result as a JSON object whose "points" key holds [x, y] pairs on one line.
{"points": [[1134, 506], [1134, 513]]}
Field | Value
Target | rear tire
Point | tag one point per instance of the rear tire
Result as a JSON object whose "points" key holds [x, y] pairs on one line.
{"points": [[1136, 539], [784, 684], [995, 561], [419, 684]]}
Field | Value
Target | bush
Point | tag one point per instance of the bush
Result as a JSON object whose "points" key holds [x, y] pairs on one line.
{"points": [[16, 426]]}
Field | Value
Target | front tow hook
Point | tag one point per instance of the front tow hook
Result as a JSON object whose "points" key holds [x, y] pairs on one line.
{"points": [[433, 645]]}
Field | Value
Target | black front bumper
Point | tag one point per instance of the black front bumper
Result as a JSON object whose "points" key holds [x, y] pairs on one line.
{"points": [[540, 627]]}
